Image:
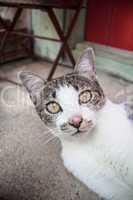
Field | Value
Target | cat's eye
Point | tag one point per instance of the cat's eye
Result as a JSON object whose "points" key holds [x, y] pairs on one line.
{"points": [[53, 107], [95, 97], [85, 96]]}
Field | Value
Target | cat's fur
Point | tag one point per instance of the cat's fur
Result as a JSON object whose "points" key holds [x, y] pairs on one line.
{"points": [[101, 154]]}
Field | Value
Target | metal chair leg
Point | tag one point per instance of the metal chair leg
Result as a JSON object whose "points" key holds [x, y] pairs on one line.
{"points": [[64, 39], [60, 33]]}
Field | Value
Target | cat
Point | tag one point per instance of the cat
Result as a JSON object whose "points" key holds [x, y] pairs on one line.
{"points": [[96, 135]]}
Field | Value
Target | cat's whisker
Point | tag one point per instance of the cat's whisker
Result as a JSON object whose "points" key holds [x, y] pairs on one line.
{"points": [[48, 133], [45, 133], [50, 140], [56, 143], [49, 130], [52, 129]]}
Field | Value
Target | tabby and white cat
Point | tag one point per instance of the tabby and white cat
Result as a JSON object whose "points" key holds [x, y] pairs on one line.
{"points": [[96, 135]]}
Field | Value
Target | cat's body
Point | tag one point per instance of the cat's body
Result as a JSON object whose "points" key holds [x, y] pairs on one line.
{"points": [[96, 135], [104, 162]]}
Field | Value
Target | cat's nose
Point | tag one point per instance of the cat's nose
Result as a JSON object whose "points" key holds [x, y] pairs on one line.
{"points": [[75, 121]]}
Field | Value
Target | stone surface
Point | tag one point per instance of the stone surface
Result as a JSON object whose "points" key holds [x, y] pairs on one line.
{"points": [[30, 169]]}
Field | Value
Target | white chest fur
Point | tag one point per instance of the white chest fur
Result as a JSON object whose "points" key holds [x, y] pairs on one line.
{"points": [[103, 160]]}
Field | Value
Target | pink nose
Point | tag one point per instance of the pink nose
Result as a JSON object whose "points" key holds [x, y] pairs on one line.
{"points": [[76, 121]]}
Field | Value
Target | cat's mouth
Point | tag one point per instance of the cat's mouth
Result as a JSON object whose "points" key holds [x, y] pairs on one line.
{"points": [[76, 133], [83, 130]]}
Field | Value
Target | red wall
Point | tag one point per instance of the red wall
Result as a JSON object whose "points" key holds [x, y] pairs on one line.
{"points": [[110, 22]]}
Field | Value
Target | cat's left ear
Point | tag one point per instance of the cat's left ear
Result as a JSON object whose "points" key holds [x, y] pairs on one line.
{"points": [[86, 63], [33, 83]]}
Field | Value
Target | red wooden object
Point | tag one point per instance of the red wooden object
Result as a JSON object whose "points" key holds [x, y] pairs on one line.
{"points": [[121, 32], [97, 22], [110, 22]]}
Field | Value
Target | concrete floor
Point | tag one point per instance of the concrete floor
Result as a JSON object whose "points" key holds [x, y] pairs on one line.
{"points": [[30, 169]]}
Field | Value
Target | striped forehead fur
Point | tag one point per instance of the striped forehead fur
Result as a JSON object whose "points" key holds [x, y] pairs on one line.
{"points": [[74, 80]]}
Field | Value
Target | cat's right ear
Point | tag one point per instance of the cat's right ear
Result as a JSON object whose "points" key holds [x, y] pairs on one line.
{"points": [[86, 63], [33, 83]]}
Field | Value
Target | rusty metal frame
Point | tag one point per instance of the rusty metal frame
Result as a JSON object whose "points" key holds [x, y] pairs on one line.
{"points": [[62, 37]]}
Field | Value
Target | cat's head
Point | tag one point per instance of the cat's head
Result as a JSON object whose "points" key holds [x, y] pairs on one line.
{"points": [[68, 104]]}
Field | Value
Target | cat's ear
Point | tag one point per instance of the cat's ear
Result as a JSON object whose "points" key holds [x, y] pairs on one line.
{"points": [[86, 63], [33, 83]]}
